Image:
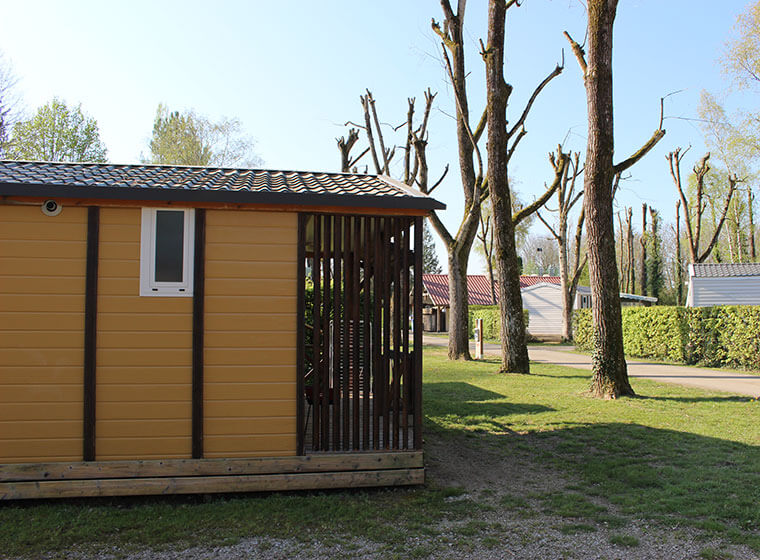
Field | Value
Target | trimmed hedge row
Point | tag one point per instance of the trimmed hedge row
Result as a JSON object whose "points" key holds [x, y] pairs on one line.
{"points": [[709, 336], [491, 322]]}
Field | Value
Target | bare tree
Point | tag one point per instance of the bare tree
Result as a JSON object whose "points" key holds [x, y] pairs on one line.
{"points": [[569, 271], [694, 214], [458, 245], [679, 262], [608, 362], [503, 139], [643, 261]]}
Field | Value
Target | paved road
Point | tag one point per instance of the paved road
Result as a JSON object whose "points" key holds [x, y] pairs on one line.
{"points": [[735, 382]]}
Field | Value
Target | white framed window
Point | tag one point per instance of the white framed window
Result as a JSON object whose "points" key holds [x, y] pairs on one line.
{"points": [[166, 252]]}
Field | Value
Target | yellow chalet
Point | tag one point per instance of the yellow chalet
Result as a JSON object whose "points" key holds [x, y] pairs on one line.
{"points": [[171, 329]]}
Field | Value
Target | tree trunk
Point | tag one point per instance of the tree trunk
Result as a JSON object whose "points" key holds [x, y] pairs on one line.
{"points": [[514, 351], [750, 200], [679, 264], [643, 264], [608, 361], [564, 280], [457, 318]]}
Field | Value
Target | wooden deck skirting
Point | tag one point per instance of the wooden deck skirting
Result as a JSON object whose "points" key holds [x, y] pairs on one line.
{"points": [[201, 476]]}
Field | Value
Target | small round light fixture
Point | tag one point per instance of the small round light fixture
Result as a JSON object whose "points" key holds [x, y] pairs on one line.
{"points": [[51, 208]]}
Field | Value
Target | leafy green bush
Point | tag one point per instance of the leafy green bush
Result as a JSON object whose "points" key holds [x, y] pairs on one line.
{"points": [[708, 336], [491, 322]]}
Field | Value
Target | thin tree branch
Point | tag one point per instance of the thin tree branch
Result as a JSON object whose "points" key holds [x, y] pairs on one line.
{"points": [[530, 209], [550, 228], [579, 53], [641, 152], [521, 121]]}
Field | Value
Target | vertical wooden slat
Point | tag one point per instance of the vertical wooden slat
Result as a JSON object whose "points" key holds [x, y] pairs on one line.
{"points": [[328, 390], [338, 326], [90, 333], [387, 258], [368, 265], [300, 322], [316, 333], [199, 283], [347, 306], [405, 332], [377, 329], [417, 376], [396, 275], [356, 350]]}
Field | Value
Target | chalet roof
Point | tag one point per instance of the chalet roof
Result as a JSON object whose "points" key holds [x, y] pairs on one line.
{"points": [[725, 270], [478, 287], [207, 184]]}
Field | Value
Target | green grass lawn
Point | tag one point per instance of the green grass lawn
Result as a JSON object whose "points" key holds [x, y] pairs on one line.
{"points": [[677, 457]]}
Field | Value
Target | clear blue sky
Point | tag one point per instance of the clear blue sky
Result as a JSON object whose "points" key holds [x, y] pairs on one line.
{"points": [[292, 72]]}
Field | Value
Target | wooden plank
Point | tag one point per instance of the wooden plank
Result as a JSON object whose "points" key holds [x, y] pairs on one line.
{"points": [[300, 340], [210, 467], [417, 371], [199, 278], [356, 319], [377, 349], [405, 332], [396, 272], [90, 333], [206, 485], [316, 330], [324, 396], [74, 202], [342, 442], [367, 345], [339, 325], [386, 373]]}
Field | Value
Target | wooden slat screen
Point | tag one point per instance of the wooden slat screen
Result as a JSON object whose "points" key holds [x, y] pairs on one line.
{"points": [[360, 378]]}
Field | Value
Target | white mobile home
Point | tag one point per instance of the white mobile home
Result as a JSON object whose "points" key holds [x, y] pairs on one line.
{"points": [[723, 284]]}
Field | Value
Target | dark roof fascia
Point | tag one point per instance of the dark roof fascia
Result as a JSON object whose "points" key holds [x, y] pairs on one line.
{"points": [[219, 195]]}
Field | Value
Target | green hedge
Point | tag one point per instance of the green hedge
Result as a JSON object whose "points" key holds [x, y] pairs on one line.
{"points": [[491, 322], [709, 336]]}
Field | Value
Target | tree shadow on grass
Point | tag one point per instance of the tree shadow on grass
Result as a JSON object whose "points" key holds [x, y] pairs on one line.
{"points": [[466, 404]]}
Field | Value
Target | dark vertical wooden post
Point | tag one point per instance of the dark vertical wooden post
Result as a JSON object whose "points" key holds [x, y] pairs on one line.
{"points": [[327, 388], [405, 366], [387, 278], [396, 274], [338, 326], [300, 327], [199, 276], [417, 376], [90, 332], [377, 329], [368, 272], [316, 333], [356, 318]]}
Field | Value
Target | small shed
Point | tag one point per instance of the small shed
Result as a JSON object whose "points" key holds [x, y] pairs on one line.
{"points": [[169, 329], [723, 284]]}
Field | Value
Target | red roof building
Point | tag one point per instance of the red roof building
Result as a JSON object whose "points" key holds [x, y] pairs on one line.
{"points": [[436, 288]]}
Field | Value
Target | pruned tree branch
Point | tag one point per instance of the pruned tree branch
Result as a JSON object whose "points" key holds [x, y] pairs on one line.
{"points": [[648, 145], [521, 121], [531, 208], [579, 53]]}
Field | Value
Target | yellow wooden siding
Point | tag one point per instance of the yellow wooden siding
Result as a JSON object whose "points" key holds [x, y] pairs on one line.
{"points": [[42, 285], [144, 350], [250, 340]]}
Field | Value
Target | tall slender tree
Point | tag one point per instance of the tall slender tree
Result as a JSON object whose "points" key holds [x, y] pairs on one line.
{"points": [[610, 375], [503, 139]]}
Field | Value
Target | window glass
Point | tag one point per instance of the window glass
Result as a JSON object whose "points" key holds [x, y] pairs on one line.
{"points": [[170, 231]]}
